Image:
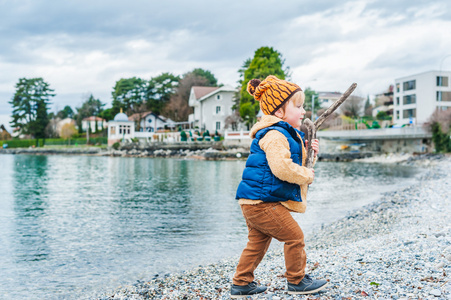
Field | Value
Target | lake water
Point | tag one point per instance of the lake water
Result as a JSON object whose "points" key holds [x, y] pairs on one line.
{"points": [[75, 226]]}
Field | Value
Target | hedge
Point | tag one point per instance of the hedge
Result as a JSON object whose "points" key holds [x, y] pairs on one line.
{"points": [[17, 143]]}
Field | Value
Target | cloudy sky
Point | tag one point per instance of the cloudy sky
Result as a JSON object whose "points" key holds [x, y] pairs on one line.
{"points": [[82, 47]]}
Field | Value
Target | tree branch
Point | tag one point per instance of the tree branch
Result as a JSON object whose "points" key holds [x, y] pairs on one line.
{"points": [[313, 127]]}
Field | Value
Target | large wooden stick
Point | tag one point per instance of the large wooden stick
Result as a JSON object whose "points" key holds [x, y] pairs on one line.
{"points": [[313, 127]]}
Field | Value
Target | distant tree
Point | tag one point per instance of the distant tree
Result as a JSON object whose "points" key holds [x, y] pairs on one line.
{"points": [[90, 107], [50, 129], [232, 121], [212, 81], [382, 115], [4, 134], [368, 109], [107, 114], [30, 103], [352, 107], [66, 112], [308, 100], [439, 124], [266, 61], [178, 108], [129, 94], [160, 90], [68, 131]]}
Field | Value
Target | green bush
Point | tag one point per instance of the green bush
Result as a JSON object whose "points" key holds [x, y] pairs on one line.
{"points": [[116, 146], [441, 140], [18, 143], [382, 115], [183, 136], [375, 125]]}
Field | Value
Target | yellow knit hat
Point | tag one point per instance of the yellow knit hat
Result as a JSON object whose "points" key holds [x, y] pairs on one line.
{"points": [[272, 92]]}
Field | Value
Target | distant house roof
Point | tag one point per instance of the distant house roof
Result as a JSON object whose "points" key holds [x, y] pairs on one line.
{"points": [[93, 118], [137, 116], [200, 91], [329, 94], [225, 88]]}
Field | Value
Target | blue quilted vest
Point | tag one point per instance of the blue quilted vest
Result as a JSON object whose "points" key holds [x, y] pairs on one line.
{"points": [[258, 182]]}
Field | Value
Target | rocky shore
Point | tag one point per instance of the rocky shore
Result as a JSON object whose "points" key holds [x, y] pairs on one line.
{"points": [[204, 151], [397, 248]]}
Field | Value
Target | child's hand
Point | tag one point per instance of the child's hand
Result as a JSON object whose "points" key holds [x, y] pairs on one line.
{"points": [[313, 174], [315, 146]]}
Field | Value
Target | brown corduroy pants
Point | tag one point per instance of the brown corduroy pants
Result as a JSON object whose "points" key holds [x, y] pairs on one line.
{"points": [[266, 221]]}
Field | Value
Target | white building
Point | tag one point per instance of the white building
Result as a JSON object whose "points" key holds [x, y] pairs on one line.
{"points": [[418, 96], [120, 129], [150, 122], [326, 99], [212, 105], [91, 122]]}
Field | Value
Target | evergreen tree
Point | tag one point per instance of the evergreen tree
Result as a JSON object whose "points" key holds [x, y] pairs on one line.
{"points": [[30, 106], [66, 112], [159, 91], [368, 109], [129, 94]]}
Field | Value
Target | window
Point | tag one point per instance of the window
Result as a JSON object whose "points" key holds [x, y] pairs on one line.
{"points": [[409, 85], [442, 81], [218, 125], [397, 100], [120, 129], [218, 109], [397, 115], [397, 87], [409, 113], [218, 97], [409, 99], [443, 96], [113, 129]]}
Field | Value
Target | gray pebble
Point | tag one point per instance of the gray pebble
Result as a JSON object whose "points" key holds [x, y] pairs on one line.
{"points": [[436, 293]]}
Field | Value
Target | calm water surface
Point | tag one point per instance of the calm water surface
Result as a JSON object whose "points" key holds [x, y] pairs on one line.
{"points": [[75, 226]]}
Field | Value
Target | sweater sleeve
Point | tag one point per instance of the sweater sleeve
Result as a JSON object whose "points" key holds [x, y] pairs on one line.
{"points": [[278, 154]]}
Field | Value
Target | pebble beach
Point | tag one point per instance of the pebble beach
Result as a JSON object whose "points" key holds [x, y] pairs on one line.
{"points": [[396, 248]]}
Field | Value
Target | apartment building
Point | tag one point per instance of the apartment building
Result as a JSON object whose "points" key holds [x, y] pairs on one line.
{"points": [[416, 97]]}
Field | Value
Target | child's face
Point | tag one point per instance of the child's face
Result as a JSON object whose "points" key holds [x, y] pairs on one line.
{"points": [[294, 111]]}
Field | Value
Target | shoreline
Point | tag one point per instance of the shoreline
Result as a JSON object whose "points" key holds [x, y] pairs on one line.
{"points": [[397, 248], [216, 152]]}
